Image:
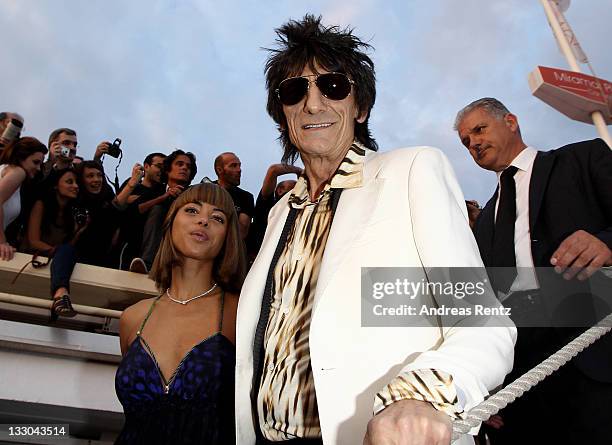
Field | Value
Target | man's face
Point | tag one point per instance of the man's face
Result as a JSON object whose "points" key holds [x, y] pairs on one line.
{"points": [[65, 140], [180, 170], [153, 171], [93, 179], [319, 126], [491, 141], [232, 169]]}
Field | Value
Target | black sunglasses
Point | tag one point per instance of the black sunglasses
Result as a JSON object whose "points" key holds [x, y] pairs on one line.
{"points": [[334, 86]]}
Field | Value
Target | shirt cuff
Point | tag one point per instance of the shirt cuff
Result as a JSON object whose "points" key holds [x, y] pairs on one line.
{"points": [[426, 385]]}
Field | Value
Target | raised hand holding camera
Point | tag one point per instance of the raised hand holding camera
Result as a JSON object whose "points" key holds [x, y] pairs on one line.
{"points": [[11, 132], [62, 155], [137, 175], [101, 150], [107, 148], [81, 222]]}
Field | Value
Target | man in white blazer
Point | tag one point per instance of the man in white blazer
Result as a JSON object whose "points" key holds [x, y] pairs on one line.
{"points": [[307, 370]]}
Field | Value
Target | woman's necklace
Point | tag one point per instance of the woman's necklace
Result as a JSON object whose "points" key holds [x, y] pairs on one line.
{"points": [[184, 302]]}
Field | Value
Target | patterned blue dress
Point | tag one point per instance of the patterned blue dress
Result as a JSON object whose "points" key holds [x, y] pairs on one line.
{"points": [[195, 406]]}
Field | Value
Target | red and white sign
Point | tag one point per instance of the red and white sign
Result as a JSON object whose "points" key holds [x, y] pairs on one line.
{"points": [[574, 94]]}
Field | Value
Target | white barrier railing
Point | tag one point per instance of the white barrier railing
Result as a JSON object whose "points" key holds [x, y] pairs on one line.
{"points": [[38, 302]]}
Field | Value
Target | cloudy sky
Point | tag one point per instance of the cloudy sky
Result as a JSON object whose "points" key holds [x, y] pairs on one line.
{"points": [[162, 74]]}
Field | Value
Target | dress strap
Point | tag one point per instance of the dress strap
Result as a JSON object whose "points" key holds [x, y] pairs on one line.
{"points": [[221, 316], [148, 315]]}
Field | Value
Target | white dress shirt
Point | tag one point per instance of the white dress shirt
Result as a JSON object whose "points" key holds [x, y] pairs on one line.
{"points": [[526, 278]]}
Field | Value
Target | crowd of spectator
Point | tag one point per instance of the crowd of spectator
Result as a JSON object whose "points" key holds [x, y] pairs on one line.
{"points": [[57, 204]]}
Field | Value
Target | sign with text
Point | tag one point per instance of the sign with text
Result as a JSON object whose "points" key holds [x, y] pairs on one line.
{"points": [[576, 95]]}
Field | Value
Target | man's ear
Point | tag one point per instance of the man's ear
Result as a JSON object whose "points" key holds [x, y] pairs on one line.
{"points": [[511, 122]]}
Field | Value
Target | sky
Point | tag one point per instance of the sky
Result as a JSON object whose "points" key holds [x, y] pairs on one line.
{"points": [[162, 74]]}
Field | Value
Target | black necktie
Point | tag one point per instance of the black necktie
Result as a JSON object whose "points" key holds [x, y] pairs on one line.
{"points": [[503, 239]]}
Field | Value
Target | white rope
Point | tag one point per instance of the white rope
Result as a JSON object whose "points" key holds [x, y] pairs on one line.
{"points": [[524, 383]]}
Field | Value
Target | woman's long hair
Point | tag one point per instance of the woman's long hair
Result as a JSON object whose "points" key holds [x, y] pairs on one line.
{"points": [[229, 267], [51, 203], [20, 149]]}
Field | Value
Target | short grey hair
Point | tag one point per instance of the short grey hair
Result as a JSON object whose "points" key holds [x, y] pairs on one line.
{"points": [[489, 104]]}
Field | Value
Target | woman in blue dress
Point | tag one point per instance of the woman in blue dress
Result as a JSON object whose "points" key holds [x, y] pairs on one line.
{"points": [[176, 378]]}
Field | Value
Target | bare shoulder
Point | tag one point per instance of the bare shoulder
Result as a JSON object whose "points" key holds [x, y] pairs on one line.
{"points": [[137, 310], [130, 321], [13, 172]]}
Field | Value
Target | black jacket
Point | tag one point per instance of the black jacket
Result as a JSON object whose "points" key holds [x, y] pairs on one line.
{"points": [[570, 189]]}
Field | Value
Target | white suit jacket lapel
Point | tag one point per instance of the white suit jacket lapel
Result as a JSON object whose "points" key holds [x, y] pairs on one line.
{"points": [[352, 214]]}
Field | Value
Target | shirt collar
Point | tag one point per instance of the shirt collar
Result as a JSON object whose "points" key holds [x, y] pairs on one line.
{"points": [[348, 175], [524, 160]]}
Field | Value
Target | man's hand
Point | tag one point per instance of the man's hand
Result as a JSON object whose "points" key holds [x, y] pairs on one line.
{"points": [[495, 421], [137, 173], [274, 171], [55, 148], [174, 191], [6, 251], [473, 209], [60, 162], [101, 149], [581, 253], [285, 169], [409, 422]]}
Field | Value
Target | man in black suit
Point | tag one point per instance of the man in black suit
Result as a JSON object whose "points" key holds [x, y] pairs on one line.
{"points": [[551, 210]]}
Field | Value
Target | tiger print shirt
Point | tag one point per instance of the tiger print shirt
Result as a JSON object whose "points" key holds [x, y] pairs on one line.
{"points": [[286, 400]]}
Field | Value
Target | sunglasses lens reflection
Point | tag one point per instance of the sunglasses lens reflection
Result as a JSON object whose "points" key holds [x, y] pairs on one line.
{"points": [[334, 86]]}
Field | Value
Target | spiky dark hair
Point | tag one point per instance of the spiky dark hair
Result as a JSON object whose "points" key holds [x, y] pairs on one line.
{"points": [[306, 43]]}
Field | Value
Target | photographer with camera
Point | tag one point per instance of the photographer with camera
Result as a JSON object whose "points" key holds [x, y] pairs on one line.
{"points": [[144, 187], [108, 148], [96, 197], [11, 125], [77, 222], [114, 150], [62, 150], [142, 191], [55, 226]]}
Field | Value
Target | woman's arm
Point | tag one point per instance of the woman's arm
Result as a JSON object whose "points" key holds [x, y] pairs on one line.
{"points": [[9, 184], [35, 229]]}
